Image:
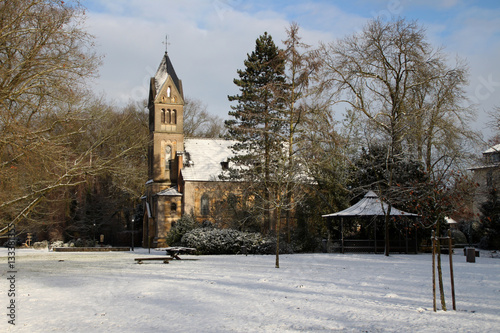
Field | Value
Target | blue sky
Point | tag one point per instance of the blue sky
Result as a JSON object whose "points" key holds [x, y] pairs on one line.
{"points": [[209, 40]]}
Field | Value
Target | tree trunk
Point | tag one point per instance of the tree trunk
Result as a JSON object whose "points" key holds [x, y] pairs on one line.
{"points": [[386, 237], [440, 277], [440, 271], [278, 224]]}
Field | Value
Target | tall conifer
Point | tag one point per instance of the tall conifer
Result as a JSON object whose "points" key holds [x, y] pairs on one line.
{"points": [[257, 122]]}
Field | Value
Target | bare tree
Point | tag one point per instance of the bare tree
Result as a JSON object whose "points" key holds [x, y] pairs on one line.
{"points": [[412, 100], [53, 133], [289, 170], [198, 122], [495, 126], [438, 118], [378, 73], [286, 188], [105, 202]]}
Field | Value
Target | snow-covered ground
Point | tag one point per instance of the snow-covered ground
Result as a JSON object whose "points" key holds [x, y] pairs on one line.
{"points": [[109, 292]]}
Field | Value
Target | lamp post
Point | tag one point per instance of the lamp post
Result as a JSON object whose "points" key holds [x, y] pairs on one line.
{"points": [[132, 224]]}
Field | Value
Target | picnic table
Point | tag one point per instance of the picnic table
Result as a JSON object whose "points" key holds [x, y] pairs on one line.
{"points": [[173, 252], [176, 250]]}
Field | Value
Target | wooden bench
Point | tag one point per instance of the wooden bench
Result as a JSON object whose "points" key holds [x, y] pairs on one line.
{"points": [[165, 260]]}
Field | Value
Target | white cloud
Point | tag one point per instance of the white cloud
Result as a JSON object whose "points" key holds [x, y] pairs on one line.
{"points": [[207, 46], [474, 35], [209, 40]]}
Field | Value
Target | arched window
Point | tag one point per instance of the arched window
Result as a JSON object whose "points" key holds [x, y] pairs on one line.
{"points": [[169, 91], [173, 207], [174, 117], [163, 116], [205, 205], [168, 156], [167, 117]]}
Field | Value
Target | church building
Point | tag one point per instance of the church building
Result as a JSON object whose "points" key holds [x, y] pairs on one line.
{"points": [[183, 172]]}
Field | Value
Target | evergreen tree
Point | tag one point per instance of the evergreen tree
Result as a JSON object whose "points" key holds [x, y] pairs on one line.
{"points": [[258, 121], [491, 220]]}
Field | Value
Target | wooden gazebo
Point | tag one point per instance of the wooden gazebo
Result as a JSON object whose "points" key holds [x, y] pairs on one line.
{"points": [[369, 206]]}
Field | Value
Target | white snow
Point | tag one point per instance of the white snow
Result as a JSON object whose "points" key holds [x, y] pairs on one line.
{"points": [[494, 149], [206, 156], [109, 292], [161, 75], [370, 205]]}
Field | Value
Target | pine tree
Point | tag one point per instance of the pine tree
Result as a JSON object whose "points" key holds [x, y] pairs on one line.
{"points": [[491, 219], [258, 121]]}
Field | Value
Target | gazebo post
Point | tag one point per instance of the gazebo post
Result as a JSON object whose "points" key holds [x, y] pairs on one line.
{"points": [[406, 235], [342, 234], [375, 234], [416, 237]]}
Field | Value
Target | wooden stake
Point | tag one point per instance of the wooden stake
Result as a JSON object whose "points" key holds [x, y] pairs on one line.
{"points": [[451, 270], [433, 238]]}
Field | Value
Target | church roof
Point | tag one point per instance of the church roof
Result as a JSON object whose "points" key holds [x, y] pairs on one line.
{"points": [[165, 70], [170, 192], [204, 158]]}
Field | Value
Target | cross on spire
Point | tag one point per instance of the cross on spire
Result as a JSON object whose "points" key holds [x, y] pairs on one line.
{"points": [[166, 43]]}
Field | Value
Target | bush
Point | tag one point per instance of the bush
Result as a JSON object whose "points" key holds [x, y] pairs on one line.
{"points": [[458, 237], [182, 226], [41, 245], [228, 241], [57, 244]]}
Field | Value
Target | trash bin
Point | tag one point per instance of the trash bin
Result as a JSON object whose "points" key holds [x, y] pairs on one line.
{"points": [[471, 254]]}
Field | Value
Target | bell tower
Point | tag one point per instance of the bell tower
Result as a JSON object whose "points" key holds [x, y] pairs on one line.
{"points": [[165, 151], [166, 103]]}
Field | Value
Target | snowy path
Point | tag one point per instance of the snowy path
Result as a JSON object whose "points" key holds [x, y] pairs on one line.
{"points": [[109, 292]]}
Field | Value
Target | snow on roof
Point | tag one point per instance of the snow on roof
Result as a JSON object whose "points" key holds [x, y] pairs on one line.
{"points": [[166, 69], [449, 220], [490, 159], [203, 158], [171, 192], [494, 149], [370, 205]]}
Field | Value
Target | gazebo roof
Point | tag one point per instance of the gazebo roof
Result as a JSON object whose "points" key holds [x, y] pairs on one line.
{"points": [[370, 205]]}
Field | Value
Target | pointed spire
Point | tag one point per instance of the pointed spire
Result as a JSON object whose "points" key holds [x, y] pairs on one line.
{"points": [[165, 70]]}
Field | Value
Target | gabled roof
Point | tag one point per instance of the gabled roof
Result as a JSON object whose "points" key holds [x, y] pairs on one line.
{"points": [[165, 70], [370, 205], [203, 158], [494, 149], [490, 160], [170, 192]]}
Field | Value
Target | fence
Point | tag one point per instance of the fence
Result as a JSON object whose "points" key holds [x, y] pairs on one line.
{"points": [[372, 246]]}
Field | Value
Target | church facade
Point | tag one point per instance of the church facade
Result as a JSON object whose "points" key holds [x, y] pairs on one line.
{"points": [[183, 172]]}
